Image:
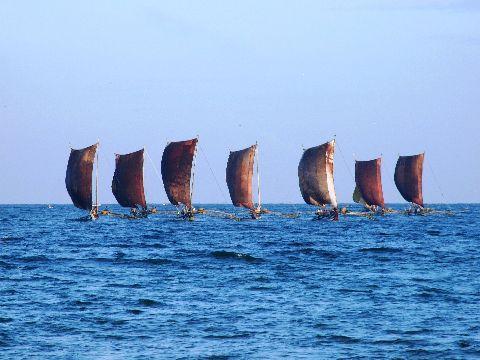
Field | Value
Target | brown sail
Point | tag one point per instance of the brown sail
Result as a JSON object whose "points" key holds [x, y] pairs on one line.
{"points": [[127, 183], [78, 178], [408, 177], [177, 162], [368, 179], [239, 176], [315, 175]]}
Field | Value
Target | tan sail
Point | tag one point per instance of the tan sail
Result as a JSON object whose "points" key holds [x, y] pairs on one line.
{"points": [[315, 174]]}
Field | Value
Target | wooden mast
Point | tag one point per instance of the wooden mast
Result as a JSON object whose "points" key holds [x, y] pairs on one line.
{"points": [[258, 179], [192, 183], [96, 178]]}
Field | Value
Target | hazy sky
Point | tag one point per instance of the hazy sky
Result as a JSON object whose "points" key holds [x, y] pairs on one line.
{"points": [[386, 77]]}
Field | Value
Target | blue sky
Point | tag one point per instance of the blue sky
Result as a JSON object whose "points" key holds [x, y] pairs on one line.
{"points": [[385, 77]]}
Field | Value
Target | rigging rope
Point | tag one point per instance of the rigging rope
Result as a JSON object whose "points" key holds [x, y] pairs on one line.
{"points": [[343, 158], [213, 174], [436, 180], [384, 164], [154, 168]]}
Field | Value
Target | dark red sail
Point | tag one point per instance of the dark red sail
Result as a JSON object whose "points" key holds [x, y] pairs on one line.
{"points": [[315, 175], [239, 176], [127, 183], [408, 178], [78, 178], [368, 178], [177, 162]]}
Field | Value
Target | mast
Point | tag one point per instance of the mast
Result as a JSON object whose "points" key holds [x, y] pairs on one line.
{"points": [[258, 178], [194, 162], [96, 177]]}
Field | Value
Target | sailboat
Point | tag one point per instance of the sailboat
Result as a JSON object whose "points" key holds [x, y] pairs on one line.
{"points": [[368, 179], [408, 179], [315, 175], [239, 174], [127, 183], [78, 179], [177, 175]]}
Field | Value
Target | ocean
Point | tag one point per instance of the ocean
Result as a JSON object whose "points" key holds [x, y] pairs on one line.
{"points": [[395, 286]]}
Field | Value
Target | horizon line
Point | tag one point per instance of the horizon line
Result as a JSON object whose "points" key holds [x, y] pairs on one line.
{"points": [[269, 203]]}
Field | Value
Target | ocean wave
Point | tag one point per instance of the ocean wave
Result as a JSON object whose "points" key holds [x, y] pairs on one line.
{"points": [[121, 260], [229, 336], [383, 249], [235, 255], [346, 291], [319, 252], [6, 265], [34, 258], [134, 311], [343, 339], [125, 286], [156, 261], [82, 303], [12, 238], [154, 236], [260, 288], [396, 341], [149, 303]]}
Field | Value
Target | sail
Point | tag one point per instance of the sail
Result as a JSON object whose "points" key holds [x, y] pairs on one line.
{"points": [[357, 197], [239, 176], [368, 179], [78, 178], [315, 174], [177, 162], [408, 177], [127, 183]]}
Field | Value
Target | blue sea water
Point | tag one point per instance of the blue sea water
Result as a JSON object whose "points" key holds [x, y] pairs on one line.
{"points": [[395, 286]]}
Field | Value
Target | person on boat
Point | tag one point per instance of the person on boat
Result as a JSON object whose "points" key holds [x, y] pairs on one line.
{"points": [[335, 214], [255, 214], [187, 213], [322, 212], [94, 213]]}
